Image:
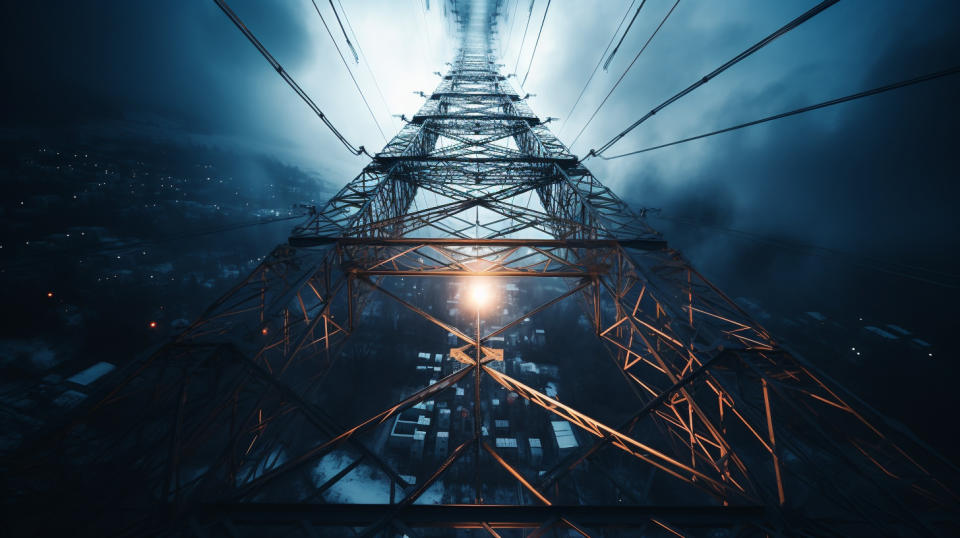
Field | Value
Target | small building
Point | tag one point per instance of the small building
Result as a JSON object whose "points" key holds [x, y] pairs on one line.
{"points": [[564, 436], [536, 451], [442, 444], [416, 447], [91, 374], [443, 421], [539, 337]]}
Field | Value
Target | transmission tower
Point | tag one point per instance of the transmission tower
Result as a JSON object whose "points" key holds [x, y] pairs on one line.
{"points": [[225, 430]]}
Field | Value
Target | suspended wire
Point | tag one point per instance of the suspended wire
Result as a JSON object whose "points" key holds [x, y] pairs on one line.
{"points": [[812, 12], [139, 245], [349, 71], [356, 150], [524, 39], [891, 268], [624, 36], [824, 104], [624, 74], [365, 61], [537, 42], [513, 21], [426, 26], [345, 36], [596, 67]]}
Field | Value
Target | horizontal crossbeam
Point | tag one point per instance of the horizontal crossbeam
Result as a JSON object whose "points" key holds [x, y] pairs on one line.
{"points": [[474, 515], [532, 120], [645, 244], [527, 159]]}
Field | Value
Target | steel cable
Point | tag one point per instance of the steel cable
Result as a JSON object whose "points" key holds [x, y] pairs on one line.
{"points": [[624, 36], [345, 36], [809, 14], [801, 110], [356, 150], [513, 21], [624, 74], [366, 62], [524, 39], [536, 43], [596, 67], [349, 71]]}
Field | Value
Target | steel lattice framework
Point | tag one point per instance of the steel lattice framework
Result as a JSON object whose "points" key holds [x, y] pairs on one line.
{"points": [[747, 436]]}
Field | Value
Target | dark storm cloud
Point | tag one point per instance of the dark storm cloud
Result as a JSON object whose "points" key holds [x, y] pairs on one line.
{"points": [[877, 180], [885, 160]]}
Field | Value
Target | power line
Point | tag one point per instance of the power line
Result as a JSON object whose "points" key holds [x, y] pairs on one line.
{"points": [[513, 21], [536, 43], [596, 67], [624, 74], [809, 14], [624, 36], [824, 104], [524, 39], [345, 36], [365, 61], [356, 150], [891, 268], [426, 26], [349, 71]]}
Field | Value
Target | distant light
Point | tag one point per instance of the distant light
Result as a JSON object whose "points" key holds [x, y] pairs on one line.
{"points": [[929, 354], [858, 353], [152, 324], [264, 331], [479, 292], [853, 349], [49, 294]]}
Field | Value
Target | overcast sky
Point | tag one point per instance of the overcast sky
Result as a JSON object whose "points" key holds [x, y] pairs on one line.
{"points": [[875, 178]]}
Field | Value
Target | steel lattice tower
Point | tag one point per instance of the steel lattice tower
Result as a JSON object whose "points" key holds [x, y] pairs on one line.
{"points": [[219, 432]]}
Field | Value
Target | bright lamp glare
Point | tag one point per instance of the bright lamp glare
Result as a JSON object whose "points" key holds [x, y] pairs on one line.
{"points": [[479, 293]]}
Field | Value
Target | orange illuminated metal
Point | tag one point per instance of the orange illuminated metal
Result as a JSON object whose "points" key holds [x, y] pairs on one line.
{"points": [[711, 397]]}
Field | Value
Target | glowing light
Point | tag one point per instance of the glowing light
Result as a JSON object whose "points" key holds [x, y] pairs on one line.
{"points": [[49, 294], [264, 331], [479, 293], [152, 324]]}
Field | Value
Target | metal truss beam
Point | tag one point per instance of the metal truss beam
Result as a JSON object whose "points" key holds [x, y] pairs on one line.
{"points": [[225, 426], [467, 516]]}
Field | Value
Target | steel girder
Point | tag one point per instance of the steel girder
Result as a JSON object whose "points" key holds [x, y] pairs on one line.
{"points": [[751, 434]]}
